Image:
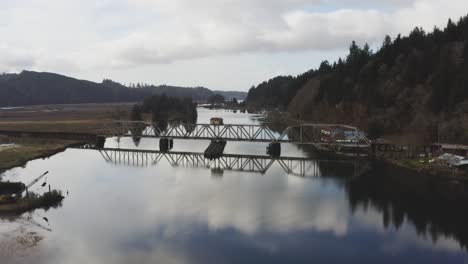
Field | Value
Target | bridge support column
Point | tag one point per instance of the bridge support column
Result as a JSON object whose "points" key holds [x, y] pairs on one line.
{"points": [[100, 142], [274, 149], [166, 144], [215, 149]]}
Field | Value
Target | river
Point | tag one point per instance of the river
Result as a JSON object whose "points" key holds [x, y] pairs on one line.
{"points": [[117, 213]]}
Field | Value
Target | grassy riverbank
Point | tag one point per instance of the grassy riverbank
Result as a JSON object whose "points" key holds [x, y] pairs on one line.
{"points": [[25, 150], [82, 118], [18, 154], [423, 166]]}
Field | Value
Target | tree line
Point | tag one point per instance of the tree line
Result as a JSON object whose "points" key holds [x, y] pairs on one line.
{"points": [[41, 88], [411, 84], [163, 109]]}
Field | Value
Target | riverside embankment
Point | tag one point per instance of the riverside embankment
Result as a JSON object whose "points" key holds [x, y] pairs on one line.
{"points": [[411, 157]]}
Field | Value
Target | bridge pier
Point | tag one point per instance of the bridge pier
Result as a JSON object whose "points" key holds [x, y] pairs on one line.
{"points": [[274, 149], [166, 144], [215, 149], [100, 142]]}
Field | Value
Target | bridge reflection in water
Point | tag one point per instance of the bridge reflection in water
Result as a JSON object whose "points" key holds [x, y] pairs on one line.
{"points": [[303, 167]]}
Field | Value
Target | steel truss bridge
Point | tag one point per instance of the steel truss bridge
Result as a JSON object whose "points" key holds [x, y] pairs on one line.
{"points": [[337, 134], [303, 167]]}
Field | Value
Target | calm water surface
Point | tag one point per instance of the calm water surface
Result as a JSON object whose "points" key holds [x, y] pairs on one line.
{"points": [[162, 214]]}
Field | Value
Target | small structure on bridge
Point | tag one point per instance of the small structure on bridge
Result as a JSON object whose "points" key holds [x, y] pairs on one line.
{"points": [[216, 121]]}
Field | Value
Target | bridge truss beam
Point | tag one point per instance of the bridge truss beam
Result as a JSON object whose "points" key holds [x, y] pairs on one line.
{"points": [[344, 135]]}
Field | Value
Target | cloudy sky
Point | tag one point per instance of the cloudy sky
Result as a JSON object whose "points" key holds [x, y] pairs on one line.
{"points": [[221, 44]]}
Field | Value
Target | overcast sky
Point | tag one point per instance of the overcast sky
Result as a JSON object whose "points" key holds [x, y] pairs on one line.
{"points": [[221, 44]]}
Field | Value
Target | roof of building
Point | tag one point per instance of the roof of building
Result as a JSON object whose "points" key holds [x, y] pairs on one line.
{"points": [[451, 146]]}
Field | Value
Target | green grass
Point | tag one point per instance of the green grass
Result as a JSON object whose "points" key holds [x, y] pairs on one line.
{"points": [[411, 163], [26, 151]]}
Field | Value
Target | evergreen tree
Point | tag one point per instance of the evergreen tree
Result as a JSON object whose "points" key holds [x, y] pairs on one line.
{"points": [[136, 113]]}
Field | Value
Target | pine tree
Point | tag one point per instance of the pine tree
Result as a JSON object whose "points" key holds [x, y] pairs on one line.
{"points": [[136, 113]]}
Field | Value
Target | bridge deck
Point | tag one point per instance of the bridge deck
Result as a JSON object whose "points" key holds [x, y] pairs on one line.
{"points": [[318, 143]]}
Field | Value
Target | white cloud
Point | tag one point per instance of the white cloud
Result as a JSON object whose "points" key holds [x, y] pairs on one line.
{"points": [[15, 59], [105, 35], [208, 28]]}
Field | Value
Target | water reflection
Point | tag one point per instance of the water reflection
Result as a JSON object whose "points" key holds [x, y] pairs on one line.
{"points": [[297, 166], [183, 203], [427, 204], [166, 214], [137, 131]]}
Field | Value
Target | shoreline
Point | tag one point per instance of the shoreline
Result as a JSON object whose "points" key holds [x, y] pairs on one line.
{"points": [[440, 186], [16, 205], [50, 199], [42, 154], [436, 172], [282, 119]]}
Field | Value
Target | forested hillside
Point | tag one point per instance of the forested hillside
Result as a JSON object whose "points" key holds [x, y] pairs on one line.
{"points": [[416, 84], [29, 88], [34, 88]]}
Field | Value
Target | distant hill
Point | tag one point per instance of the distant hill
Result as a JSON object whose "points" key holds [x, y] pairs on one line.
{"points": [[229, 95], [412, 85], [35, 88], [197, 93]]}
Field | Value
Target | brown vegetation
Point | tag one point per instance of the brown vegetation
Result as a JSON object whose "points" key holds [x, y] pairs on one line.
{"points": [[85, 118]]}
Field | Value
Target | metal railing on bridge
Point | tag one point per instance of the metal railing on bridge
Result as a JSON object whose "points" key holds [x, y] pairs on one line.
{"points": [[300, 134]]}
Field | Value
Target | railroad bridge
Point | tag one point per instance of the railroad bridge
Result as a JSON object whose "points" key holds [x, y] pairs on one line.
{"points": [[336, 136], [319, 135]]}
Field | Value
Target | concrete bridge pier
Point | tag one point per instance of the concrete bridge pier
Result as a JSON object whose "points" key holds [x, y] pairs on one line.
{"points": [[215, 149], [274, 149], [166, 144], [100, 142]]}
